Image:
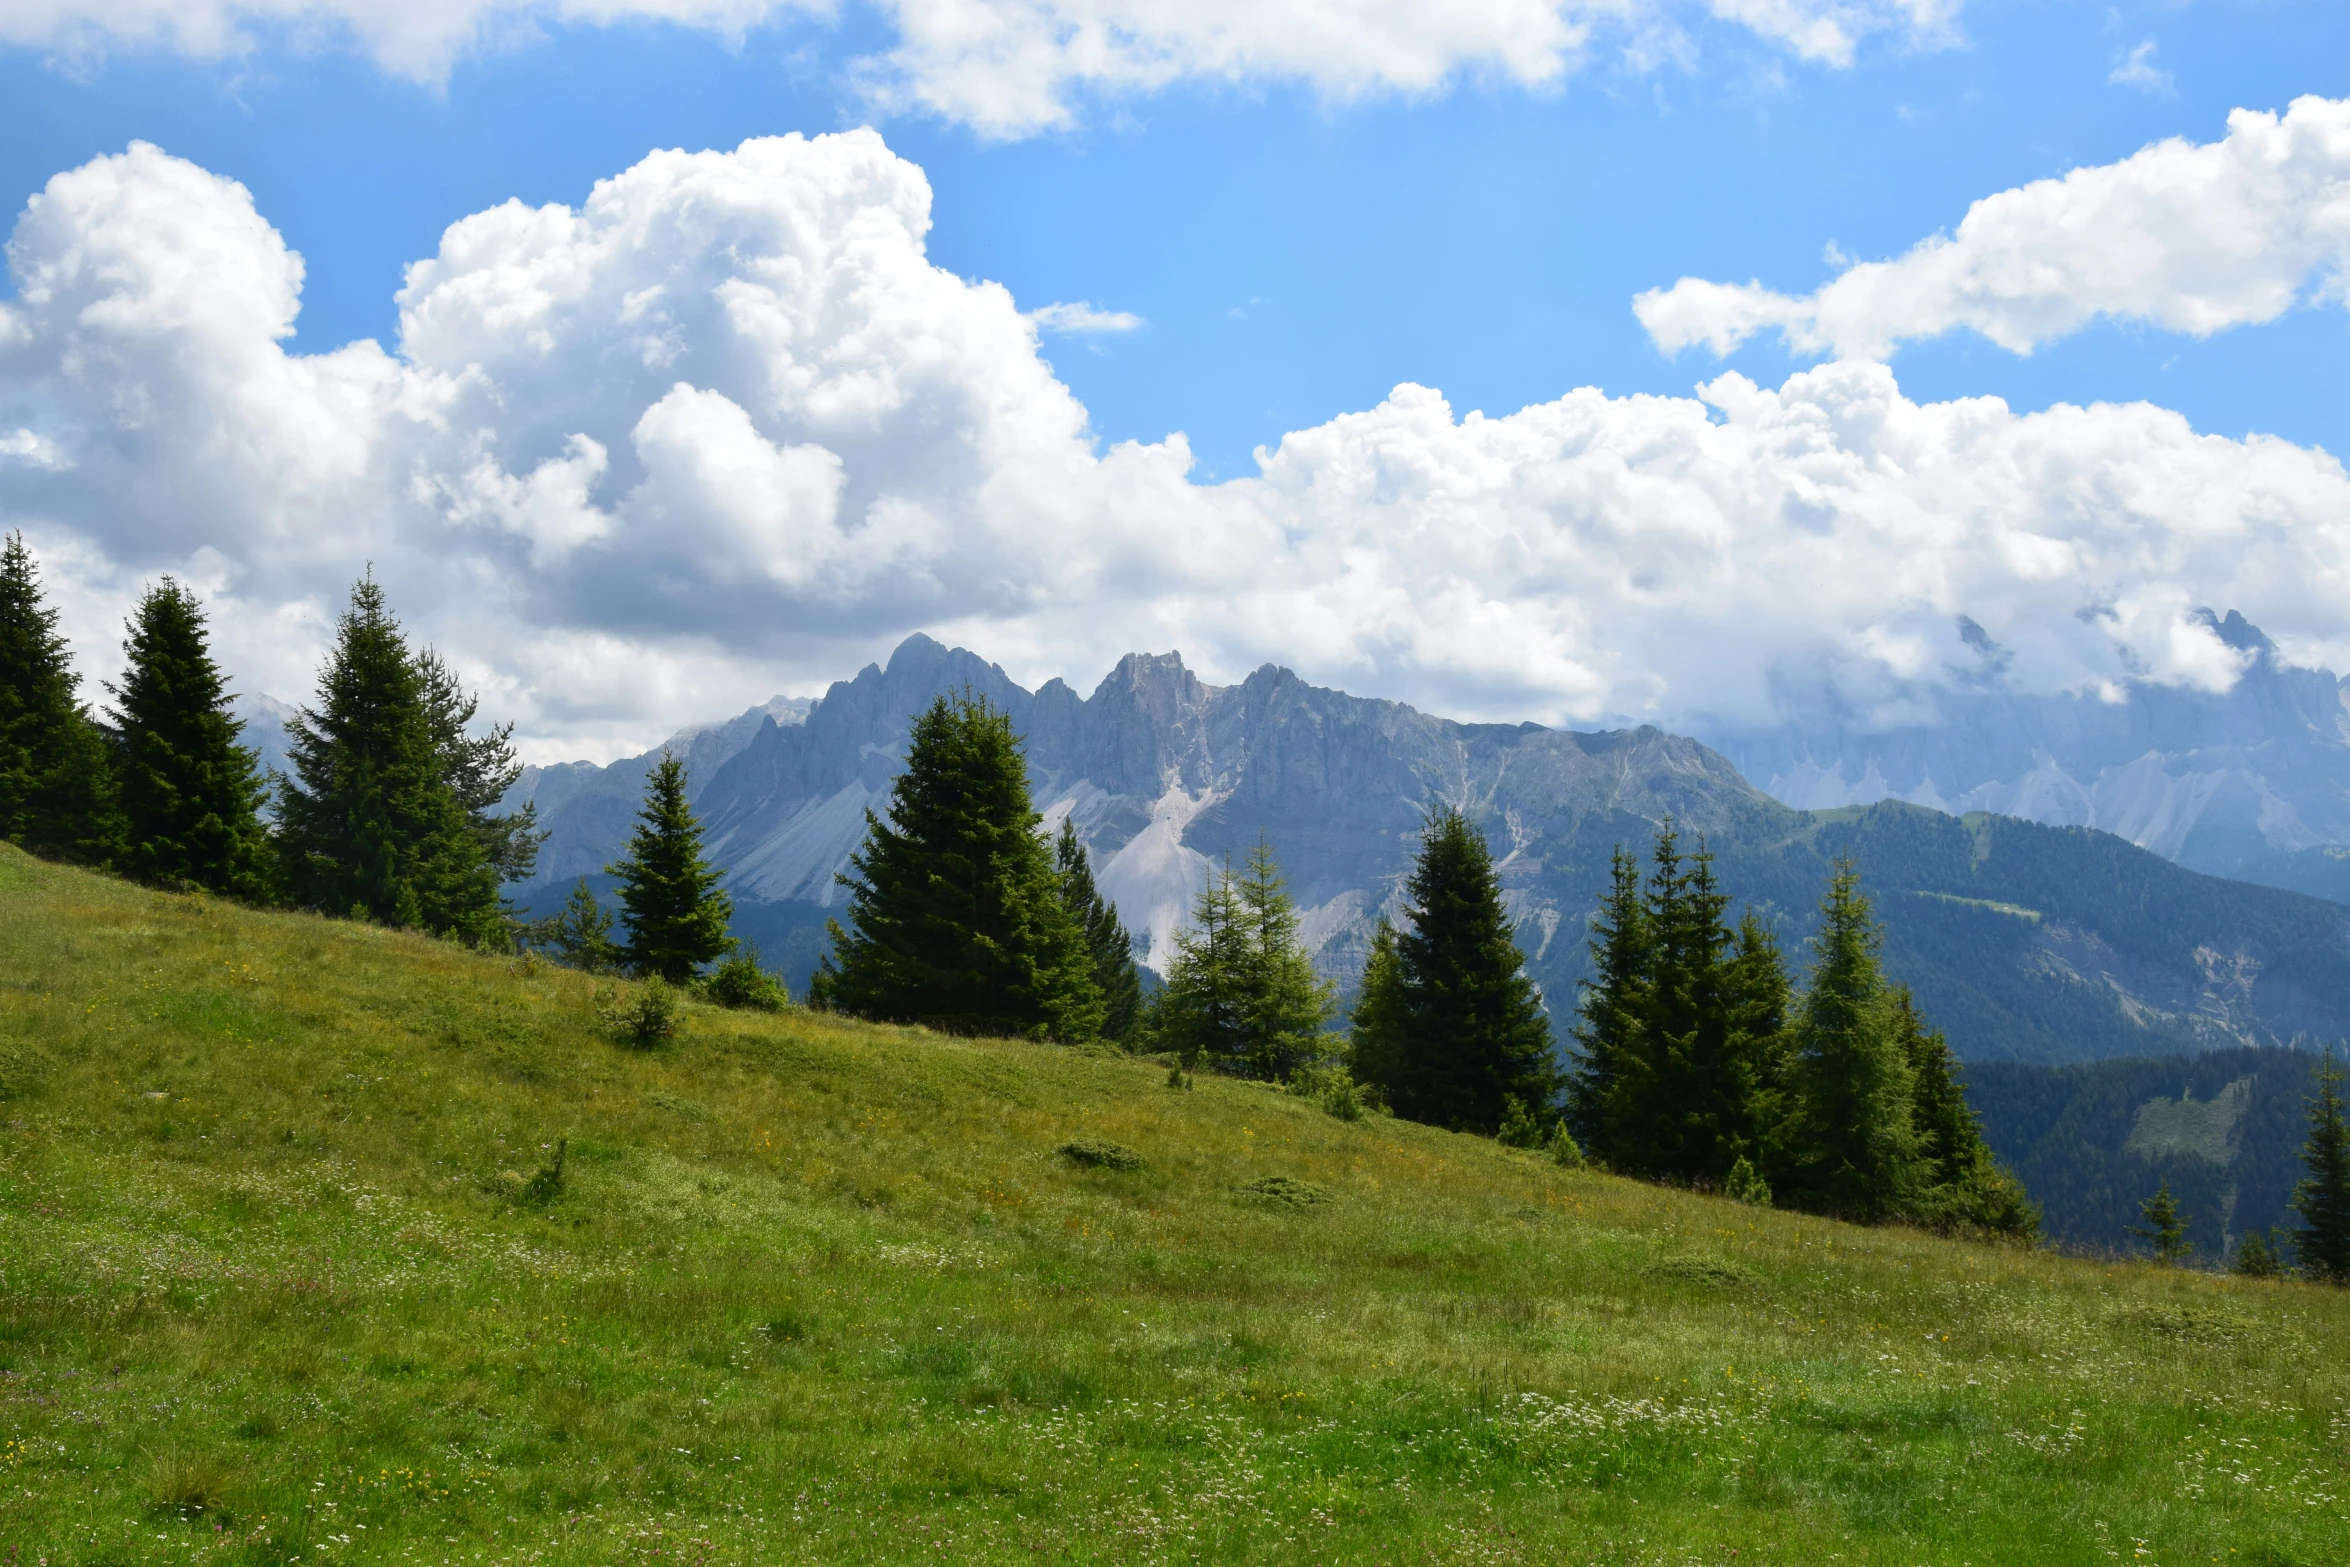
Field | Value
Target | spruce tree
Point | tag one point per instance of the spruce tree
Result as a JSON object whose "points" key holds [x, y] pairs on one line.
{"points": [[1707, 1069], [669, 897], [1611, 1034], [2165, 1228], [1112, 949], [57, 787], [1287, 1002], [581, 933], [191, 795], [1851, 1147], [1473, 1037], [1376, 1039], [1964, 1184], [1201, 1013], [955, 914], [479, 769], [1241, 994], [2322, 1243], [369, 826]]}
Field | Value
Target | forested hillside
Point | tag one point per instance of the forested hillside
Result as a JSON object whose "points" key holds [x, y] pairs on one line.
{"points": [[2091, 1142]]}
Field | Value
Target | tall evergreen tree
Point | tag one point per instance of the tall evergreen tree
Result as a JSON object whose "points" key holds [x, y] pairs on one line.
{"points": [[1708, 1068], [1473, 1037], [1201, 1013], [2322, 1243], [479, 769], [1611, 1033], [57, 791], [669, 897], [1379, 1030], [1852, 1147], [368, 825], [1112, 949], [1965, 1186], [191, 795], [1241, 992], [955, 914]]}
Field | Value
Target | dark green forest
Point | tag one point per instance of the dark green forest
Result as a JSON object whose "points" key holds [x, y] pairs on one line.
{"points": [[2092, 1141]]}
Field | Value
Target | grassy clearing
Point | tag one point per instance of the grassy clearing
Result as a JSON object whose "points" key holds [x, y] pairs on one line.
{"points": [[273, 1288]]}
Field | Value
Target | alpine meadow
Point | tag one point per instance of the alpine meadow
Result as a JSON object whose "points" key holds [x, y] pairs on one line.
{"points": [[1318, 783]]}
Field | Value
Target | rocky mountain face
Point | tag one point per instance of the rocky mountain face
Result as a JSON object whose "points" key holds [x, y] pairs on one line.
{"points": [[2253, 783], [2025, 942]]}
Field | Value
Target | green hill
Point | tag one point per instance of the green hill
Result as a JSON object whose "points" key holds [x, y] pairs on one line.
{"points": [[275, 1286]]}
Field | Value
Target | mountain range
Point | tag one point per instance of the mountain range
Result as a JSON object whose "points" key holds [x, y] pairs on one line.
{"points": [[2026, 942], [2252, 782]]}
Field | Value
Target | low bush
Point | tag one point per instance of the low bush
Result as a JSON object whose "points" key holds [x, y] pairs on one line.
{"points": [[652, 1016], [741, 983], [1100, 1156]]}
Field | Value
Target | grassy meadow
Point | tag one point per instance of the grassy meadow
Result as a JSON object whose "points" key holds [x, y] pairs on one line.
{"points": [[275, 1286]]}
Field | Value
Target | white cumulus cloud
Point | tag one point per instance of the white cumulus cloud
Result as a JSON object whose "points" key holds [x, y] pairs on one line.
{"points": [[723, 429], [1014, 67], [2191, 238], [1083, 319]]}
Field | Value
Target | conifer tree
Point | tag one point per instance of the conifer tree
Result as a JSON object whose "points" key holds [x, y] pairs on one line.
{"points": [[1852, 1146], [669, 896], [955, 914], [1201, 1013], [1112, 949], [1287, 1002], [1376, 1038], [479, 769], [191, 795], [2322, 1243], [368, 825], [1472, 1038], [57, 790], [1965, 1187], [1707, 1069], [1241, 993], [1611, 1035], [581, 933], [2165, 1227]]}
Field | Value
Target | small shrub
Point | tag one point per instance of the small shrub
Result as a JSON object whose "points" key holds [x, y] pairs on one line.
{"points": [[1745, 1184], [1715, 1271], [547, 1185], [1333, 1087], [1177, 1077], [1100, 1156], [2261, 1257], [1564, 1151], [653, 1016], [187, 1485], [1288, 1191], [741, 983], [1520, 1126]]}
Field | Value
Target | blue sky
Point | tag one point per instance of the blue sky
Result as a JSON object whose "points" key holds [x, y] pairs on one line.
{"points": [[1294, 253], [1295, 258]]}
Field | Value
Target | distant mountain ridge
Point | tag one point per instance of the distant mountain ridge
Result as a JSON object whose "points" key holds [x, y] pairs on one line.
{"points": [[2252, 783], [2023, 941]]}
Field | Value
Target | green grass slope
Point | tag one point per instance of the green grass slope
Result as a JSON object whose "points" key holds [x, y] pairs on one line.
{"points": [[271, 1290]]}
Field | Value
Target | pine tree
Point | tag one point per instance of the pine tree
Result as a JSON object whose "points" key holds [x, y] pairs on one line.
{"points": [[57, 788], [1851, 1147], [191, 795], [1473, 1038], [1114, 972], [479, 769], [2260, 1256], [1241, 993], [1611, 1035], [1965, 1187], [1287, 1002], [581, 933], [669, 897], [2323, 1198], [368, 825], [955, 915], [1201, 1013], [1376, 1038], [1708, 1069], [2165, 1227]]}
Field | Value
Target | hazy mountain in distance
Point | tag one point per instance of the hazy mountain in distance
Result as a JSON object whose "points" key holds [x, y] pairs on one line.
{"points": [[2024, 941], [2253, 783]]}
